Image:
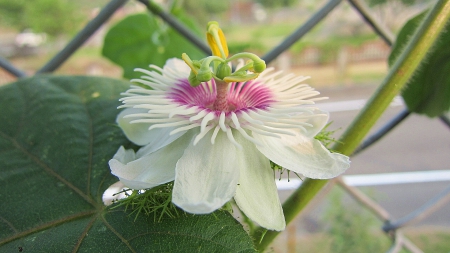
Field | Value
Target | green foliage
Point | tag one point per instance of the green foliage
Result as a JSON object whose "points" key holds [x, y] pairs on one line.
{"points": [[56, 137], [140, 40], [428, 91], [382, 2], [204, 10], [277, 3], [156, 201], [205, 6], [351, 228], [49, 16], [431, 240], [330, 47], [238, 47], [326, 136]]}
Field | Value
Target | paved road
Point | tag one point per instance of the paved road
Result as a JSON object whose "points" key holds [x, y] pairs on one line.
{"points": [[417, 144]]}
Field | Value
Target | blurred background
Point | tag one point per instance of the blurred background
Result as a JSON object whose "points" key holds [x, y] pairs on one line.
{"points": [[342, 48], [346, 60]]}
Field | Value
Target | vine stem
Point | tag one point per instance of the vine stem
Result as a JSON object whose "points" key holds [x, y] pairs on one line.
{"points": [[414, 53]]}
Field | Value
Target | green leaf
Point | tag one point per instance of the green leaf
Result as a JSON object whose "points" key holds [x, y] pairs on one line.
{"points": [[139, 40], [428, 91], [56, 137]]}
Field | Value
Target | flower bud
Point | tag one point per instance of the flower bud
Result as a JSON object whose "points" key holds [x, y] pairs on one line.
{"points": [[204, 75], [193, 81], [223, 70], [259, 66]]}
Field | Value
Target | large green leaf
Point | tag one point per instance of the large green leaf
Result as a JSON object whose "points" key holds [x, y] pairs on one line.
{"points": [[138, 40], [428, 91], [56, 137]]}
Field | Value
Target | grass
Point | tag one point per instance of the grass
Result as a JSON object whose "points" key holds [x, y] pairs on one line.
{"points": [[430, 239]]}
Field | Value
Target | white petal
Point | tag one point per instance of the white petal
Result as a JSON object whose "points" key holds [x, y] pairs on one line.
{"points": [[112, 193], [303, 155], [206, 175], [139, 134], [161, 139], [152, 169], [177, 65], [256, 193], [318, 122], [124, 156]]}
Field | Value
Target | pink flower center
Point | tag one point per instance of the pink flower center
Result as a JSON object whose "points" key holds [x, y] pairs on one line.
{"points": [[222, 98]]}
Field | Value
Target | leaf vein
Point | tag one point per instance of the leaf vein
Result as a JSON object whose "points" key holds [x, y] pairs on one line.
{"points": [[83, 234], [125, 241], [47, 225], [10, 225], [22, 117], [48, 169], [91, 149], [185, 235]]}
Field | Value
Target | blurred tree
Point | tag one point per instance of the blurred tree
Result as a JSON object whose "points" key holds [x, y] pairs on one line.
{"points": [[380, 2], [53, 17], [204, 10], [393, 13], [277, 3]]}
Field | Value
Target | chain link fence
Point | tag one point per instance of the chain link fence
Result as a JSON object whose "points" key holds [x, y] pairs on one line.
{"points": [[391, 227]]}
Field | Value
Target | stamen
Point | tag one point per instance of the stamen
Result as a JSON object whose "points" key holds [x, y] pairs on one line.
{"points": [[183, 128], [275, 125], [248, 137], [231, 138], [319, 99], [156, 68], [178, 123], [152, 106], [259, 131], [250, 119], [213, 137], [235, 120], [154, 101], [259, 116], [145, 91], [138, 98], [273, 130], [153, 120], [199, 115], [293, 102], [270, 78], [205, 120], [183, 110], [222, 122], [144, 71], [148, 83], [202, 133], [156, 79], [138, 115]]}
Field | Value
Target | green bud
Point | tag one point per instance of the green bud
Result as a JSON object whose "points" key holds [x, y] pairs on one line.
{"points": [[223, 70], [259, 66], [193, 81], [240, 78], [240, 73], [197, 64], [204, 75]]}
